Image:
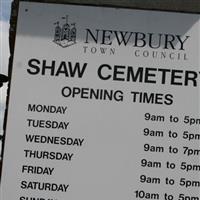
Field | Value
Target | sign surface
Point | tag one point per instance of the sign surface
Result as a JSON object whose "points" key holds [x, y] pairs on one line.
{"points": [[104, 104]]}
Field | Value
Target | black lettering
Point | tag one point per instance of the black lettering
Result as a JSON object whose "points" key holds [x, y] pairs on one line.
{"points": [[77, 69], [33, 63], [95, 38], [182, 41], [169, 39], [191, 76], [139, 39], [49, 67], [99, 72], [106, 34], [118, 70], [122, 38]]}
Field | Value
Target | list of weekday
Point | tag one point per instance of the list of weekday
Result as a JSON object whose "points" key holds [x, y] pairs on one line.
{"points": [[66, 156]]}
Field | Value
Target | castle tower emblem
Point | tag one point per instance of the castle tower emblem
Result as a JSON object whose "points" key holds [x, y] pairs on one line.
{"points": [[65, 35]]}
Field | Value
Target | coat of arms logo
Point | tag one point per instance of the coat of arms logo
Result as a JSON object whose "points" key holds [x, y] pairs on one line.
{"points": [[65, 34]]}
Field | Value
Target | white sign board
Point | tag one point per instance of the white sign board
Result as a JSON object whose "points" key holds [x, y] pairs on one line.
{"points": [[104, 105]]}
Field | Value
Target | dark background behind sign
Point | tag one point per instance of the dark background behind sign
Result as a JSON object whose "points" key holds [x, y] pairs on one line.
{"points": [[172, 5]]}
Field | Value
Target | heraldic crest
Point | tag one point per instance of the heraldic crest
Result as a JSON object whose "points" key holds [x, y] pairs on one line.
{"points": [[65, 35]]}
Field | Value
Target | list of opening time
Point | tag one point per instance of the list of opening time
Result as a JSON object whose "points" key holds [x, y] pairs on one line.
{"points": [[103, 104]]}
